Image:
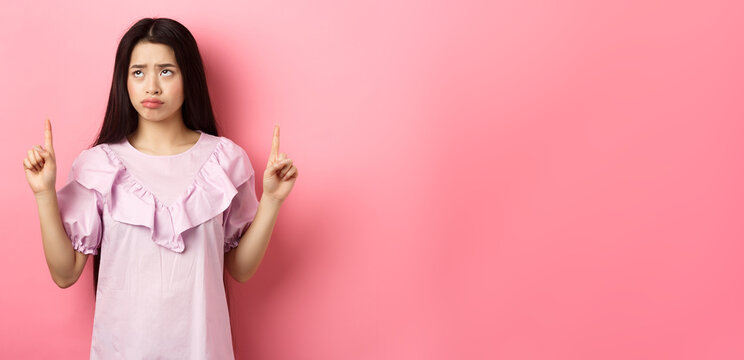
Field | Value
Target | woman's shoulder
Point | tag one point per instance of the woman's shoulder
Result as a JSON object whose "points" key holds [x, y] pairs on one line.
{"points": [[228, 146], [233, 159], [95, 168], [227, 150], [94, 157]]}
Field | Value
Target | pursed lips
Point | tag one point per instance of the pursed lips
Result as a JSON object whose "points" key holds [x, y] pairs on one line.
{"points": [[152, 103]]}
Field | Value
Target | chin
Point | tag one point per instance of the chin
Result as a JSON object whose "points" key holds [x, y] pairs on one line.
{"points": [[154, 115]]}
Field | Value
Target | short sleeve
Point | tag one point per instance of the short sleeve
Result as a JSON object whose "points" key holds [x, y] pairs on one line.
{"points": [[80, 209], [242, 210]]}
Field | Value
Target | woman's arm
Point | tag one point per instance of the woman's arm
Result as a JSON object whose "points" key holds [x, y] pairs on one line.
{"points": [[65, 264], [279, 178], [243, 261]]}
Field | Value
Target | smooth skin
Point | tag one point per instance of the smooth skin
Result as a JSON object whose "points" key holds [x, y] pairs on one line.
{"points": [[160, 132]]}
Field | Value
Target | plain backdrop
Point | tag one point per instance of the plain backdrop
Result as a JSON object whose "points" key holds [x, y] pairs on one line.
{"points": [[477, 179]]}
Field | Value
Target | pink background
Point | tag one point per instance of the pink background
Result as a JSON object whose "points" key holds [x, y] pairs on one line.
{"points": [[477, 180]]}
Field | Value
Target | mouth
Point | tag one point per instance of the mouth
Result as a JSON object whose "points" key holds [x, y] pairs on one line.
{"points": [[152, 103]]}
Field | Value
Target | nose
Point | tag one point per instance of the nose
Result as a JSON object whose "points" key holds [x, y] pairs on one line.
{"points": [[153, 88]]}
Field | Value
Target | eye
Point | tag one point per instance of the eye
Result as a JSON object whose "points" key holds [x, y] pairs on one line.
{"points": [[166, 70], [135, 73]]}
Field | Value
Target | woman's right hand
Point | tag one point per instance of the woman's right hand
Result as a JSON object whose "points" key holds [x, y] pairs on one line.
{"points": [[40, 164]]}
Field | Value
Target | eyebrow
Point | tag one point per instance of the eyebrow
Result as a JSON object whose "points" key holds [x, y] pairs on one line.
{"points": [[140, 66]]}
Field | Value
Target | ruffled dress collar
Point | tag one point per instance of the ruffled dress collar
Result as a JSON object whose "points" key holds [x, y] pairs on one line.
{"points": [[129, 201]]}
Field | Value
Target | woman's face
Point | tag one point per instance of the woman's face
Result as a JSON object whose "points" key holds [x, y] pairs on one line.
{"points": [[155, 75]]}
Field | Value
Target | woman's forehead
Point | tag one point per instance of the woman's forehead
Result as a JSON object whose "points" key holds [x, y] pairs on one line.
{"points": [[151, 54]]}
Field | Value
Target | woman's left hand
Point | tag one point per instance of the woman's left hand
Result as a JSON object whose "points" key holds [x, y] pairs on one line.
{"points": [[280, 174]]}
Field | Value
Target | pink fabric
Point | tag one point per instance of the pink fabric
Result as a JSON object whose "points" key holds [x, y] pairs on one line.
{"points": [[162, 225]]}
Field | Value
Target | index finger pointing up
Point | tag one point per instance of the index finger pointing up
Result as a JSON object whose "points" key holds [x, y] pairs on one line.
{"points": [[275, 143], [48, 135]]}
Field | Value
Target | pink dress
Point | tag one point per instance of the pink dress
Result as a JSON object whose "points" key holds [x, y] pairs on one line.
{"points": [[162, 225]]}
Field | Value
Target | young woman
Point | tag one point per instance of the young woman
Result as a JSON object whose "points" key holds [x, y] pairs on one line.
{"points": [[163, 203]]}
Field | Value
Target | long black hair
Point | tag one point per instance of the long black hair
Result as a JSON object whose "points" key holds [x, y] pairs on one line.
{"points": [[121, 118]]}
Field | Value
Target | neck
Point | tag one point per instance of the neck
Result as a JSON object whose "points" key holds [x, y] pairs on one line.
{"points": [[162, 137]]}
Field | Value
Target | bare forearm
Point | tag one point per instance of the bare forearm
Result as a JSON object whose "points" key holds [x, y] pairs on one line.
{"points": [[60, 255], [243, 261]]}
